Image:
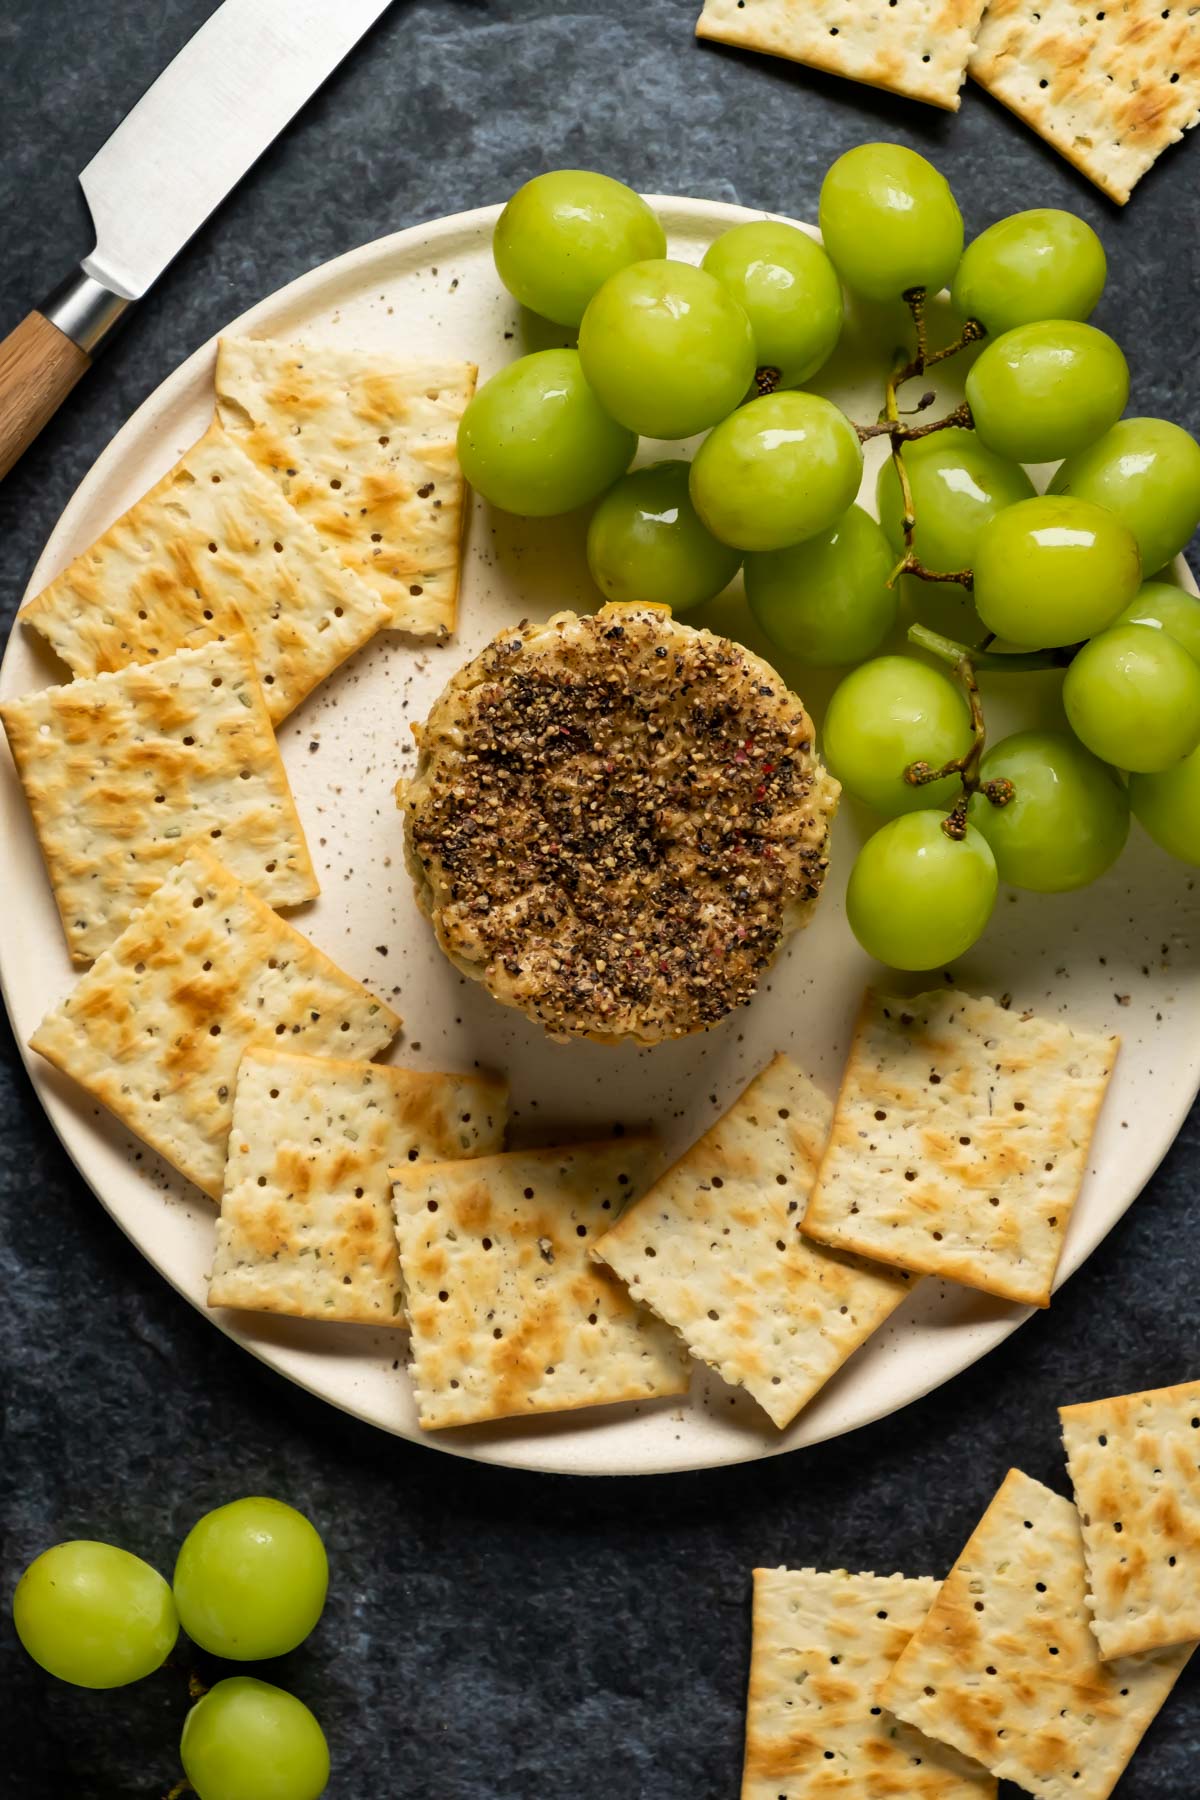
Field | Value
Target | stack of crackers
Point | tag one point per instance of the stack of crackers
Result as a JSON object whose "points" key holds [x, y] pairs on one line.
{"points": [[1041, 1659], [1108, 87]]}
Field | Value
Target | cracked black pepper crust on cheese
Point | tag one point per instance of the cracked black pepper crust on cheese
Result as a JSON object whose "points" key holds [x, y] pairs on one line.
{"points": [[615, 821]]}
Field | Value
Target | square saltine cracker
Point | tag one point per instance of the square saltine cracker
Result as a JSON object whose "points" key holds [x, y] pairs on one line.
{"points": [[960, 1139], [1135, 1467], [1005, 1667], [714, 1249]]}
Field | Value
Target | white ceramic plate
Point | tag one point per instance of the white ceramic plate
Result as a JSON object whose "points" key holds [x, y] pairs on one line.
{"points": [[1121, 955]]}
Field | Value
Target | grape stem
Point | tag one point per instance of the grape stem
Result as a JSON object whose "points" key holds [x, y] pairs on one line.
{"points": [[180, 1788], [948, 650]]}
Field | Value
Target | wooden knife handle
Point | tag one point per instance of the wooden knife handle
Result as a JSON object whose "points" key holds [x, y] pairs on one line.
{"points": [[39, 365]]}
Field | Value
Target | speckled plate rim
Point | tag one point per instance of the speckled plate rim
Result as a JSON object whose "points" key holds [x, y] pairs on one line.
{"points": [[146, 438]]}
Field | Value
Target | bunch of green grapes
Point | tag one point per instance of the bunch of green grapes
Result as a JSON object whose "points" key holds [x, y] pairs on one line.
{"points": [[667, 350], [249, 1584]]}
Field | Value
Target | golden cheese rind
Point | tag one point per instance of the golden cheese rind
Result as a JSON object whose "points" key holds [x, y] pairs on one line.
{"points": [[365, 447], [211, 546], [960, 1138], [156, 1028], [509, 1315], [914, 47], [306, 1210], [1109, 88], [123, 771], [714, 1248], [1005, 1667], [1134, 1462], [823, 1645]]}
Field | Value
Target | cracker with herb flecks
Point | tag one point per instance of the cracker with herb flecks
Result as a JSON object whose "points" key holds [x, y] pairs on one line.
{"points": [[211, 547], [123, 771], [714, 1248], [156, 1028], [1135, 1467], [1108, 87], [365, 447], [1005, 1667], [960, 1139], [914, 47], [823, 1645], [306, 1222], [509, 1314]]}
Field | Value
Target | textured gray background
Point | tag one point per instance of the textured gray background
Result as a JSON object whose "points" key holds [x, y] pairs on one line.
{"points": [[492, 1636]]}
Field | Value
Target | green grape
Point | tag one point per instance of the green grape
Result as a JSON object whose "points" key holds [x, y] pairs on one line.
{"points": [[826, 601], [1045, 390], [957, 484], [1067, 820], [779, 469], [563, 234], [890, 713], [890, 222], [535, 440], [1035, 265], [1168, 805], [247, 1740], [918, 899], [790, 291], [646, 542], [1166, 608], [1133, 697], [667, 349], [94, 1615], [1147, 471], [1052, 570], [250, 1579]]}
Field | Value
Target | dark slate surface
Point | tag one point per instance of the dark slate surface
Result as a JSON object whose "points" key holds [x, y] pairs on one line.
{"points": [[493, 1636]]}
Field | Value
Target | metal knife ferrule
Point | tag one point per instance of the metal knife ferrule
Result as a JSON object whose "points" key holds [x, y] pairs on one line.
{"points": [[84, 310]]}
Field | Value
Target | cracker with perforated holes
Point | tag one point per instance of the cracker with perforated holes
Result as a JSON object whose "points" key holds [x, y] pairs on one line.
{"points": [[156, 1028], [823, 1645], [1005, 1667], [1109, 87], [913, 47], [366, 448], [123, 771], [1135, 1467], [714, 1249], [211, 546], [306, 1212], [960, 1139], [509, 1314]]}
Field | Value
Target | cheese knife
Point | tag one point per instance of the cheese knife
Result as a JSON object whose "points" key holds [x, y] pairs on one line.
{"points": [[172, 159]]}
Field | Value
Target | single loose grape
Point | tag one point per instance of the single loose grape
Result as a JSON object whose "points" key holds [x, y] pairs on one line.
{"points": [[564, 233], [1166, 608], [1042, 264], [779, 469], [247, 1740], [957, 484], [1147, 471], [790, 290], [1133, 697], [535, 440], [887, 714], [918, 899], [250, 1579], [1168, 805], [1046, 390], [826, 601], [94, 1615], [666, 348], [646, 542], [1053, 570], [1067, 820], [890, 222]]}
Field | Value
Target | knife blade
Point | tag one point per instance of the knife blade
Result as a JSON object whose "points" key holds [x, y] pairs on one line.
{"points": [[170, 162]]}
